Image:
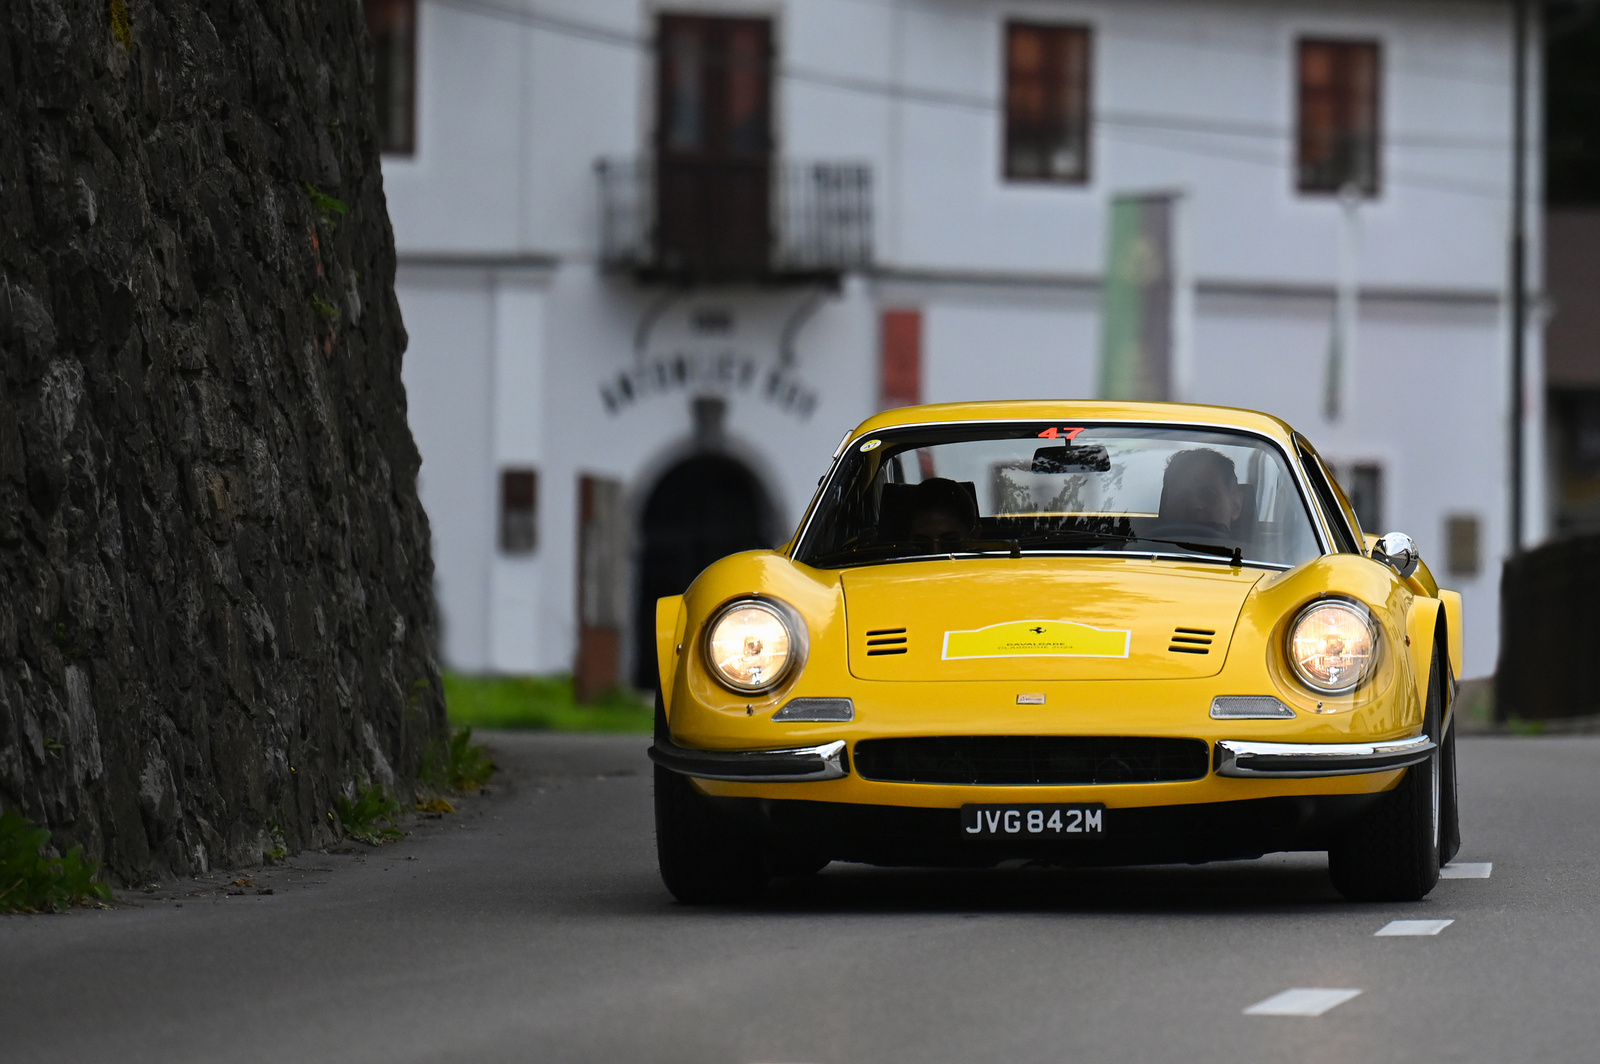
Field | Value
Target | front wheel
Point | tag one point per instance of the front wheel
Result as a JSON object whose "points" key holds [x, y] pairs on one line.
{"points": [[1450, 826], [1392, 852], [704, 859]]}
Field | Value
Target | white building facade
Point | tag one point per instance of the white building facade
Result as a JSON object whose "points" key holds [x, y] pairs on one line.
{"points": [[655, 259]]}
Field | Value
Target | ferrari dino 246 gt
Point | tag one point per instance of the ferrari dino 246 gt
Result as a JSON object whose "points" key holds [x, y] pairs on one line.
{"points": [[1077, 633]]}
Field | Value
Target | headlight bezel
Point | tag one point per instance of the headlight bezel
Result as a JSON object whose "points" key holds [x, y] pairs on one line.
{"points": [[1364, 614], [786, 615]]}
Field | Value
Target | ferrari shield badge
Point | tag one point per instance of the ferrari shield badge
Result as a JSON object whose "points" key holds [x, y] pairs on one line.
{"points": [[1037, 639]]}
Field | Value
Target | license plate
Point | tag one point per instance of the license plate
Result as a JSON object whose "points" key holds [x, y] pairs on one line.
{"points": [[1047, 821]]}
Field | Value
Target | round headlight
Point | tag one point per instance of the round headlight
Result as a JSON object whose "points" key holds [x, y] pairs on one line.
{"points": [[1333, 646], [749, 646]]}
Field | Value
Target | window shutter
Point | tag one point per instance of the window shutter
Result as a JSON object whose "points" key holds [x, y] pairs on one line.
{"points": [[1047, 103], [1338, 134], [902, 358]]}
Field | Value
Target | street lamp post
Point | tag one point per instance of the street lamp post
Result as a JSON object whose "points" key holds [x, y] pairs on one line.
{"points": [[1519, 265]]}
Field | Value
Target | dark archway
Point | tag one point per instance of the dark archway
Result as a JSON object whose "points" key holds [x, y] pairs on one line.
{"points": [[702, 509]]}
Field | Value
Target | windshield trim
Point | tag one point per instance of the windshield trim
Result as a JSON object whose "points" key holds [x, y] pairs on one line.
{"points": [[1307, 496], [1054, 552], [1342, 522]]}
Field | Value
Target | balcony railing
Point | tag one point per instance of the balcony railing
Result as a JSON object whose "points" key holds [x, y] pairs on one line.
{"points": [[729, 221]]}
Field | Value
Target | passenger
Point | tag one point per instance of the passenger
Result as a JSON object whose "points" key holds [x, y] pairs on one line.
{"points": [[943, 511], [1201, 487]]}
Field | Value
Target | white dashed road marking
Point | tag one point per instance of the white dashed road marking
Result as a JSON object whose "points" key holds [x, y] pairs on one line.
{"points": [[1301, 1001], [1466, 870], [1412, 927]]}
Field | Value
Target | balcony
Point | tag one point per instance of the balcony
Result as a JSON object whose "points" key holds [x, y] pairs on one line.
{"points": [[765, 222]]}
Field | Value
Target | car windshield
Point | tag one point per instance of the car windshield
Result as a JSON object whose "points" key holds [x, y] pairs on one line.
{"points": [[1034, 488]]}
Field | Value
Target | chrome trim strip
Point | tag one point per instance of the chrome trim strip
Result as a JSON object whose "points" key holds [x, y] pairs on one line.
{"points": [[1149, 555], [1304, 760], [800, 765]]}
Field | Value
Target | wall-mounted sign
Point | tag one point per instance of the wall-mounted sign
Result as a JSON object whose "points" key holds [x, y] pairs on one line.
{"points": [[723, 372]]}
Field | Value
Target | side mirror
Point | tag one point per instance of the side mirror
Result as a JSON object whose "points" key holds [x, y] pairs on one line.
{"points": [[1398, 551]]}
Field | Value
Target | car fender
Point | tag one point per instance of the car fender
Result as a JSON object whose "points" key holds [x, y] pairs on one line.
{"points": [[1390, 700], [1421, 622], [1450, 608], [671, 619], [1451, 601], [814, 594]]}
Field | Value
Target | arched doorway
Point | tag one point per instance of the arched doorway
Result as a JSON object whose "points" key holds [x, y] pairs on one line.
{"points": [[704, 508]]}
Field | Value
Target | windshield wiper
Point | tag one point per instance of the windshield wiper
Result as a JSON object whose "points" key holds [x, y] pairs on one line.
{"points": [[1014, 546], [1235, 555]]}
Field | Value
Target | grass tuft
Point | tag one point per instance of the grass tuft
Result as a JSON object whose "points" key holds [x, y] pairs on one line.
{"points": [[31, 881], [371, 817], [121, 24], [457, 765], [541, 703], [328, 206], [279, 850]]}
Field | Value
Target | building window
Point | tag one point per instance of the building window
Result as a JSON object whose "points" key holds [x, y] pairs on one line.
{"points": [[393, 25], [1047, 103], [1338, 128], [1462, 545], [713, 210], [1363, 486], [902, 358], [519, 511]]}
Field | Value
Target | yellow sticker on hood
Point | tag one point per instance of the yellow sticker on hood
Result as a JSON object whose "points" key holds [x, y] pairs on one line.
{"points": [[1037, 639]]}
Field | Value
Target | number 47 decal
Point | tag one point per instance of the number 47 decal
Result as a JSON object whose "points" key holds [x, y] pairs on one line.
{"points": [[1053, 433]]}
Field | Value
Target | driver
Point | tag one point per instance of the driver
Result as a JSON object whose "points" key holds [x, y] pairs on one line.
{"points": [[941, 509], [1201, 487]]}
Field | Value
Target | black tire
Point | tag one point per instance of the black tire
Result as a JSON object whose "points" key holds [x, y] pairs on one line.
{"points": [[1392, 853], [1450, 806], [704, 858], [798, 863]]}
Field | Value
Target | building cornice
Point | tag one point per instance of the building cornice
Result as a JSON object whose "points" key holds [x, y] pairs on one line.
{"points": [[1204, 286], [531, 266]]}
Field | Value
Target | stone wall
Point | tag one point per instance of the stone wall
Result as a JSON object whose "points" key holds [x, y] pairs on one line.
{"points": [[215, 584]]}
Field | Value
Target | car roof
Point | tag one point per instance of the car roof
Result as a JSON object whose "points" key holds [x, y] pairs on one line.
{"points": [[1069, 410]]}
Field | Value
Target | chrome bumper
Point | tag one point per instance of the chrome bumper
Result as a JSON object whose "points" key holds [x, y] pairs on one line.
{"points": [[1301, 760], [803, 764]]}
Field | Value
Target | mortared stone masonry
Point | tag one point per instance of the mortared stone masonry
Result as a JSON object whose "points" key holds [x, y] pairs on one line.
{"points": [[215, 584]]}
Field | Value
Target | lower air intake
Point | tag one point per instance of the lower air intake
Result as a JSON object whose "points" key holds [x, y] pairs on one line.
{"points": [[1035, 759]]}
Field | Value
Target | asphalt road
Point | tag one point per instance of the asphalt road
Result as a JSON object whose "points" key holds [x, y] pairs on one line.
{"points": [[531, 927]]}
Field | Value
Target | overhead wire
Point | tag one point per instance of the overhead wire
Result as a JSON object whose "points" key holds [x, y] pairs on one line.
{"points": [[1124, 125], [1452, 72]]}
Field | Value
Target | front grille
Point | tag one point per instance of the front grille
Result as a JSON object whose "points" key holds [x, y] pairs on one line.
{"points": [[886, 641], [1191, 640], [1040, 759]]}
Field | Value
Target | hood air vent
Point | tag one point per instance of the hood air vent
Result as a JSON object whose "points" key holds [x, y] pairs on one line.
{"points": [[1191, 640], [886, 641]]}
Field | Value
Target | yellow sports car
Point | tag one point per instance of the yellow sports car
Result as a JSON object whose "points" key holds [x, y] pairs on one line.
{"points": [[1077, 633]]}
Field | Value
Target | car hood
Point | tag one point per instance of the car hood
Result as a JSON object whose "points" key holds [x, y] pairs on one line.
{"points": [[1042, 619]]}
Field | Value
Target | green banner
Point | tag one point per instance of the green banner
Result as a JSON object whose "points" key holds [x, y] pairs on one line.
{"points": [[1138, 300]]}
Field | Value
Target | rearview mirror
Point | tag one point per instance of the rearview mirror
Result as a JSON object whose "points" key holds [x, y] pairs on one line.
{"points": [[1398, 551], [1085, 458]]}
